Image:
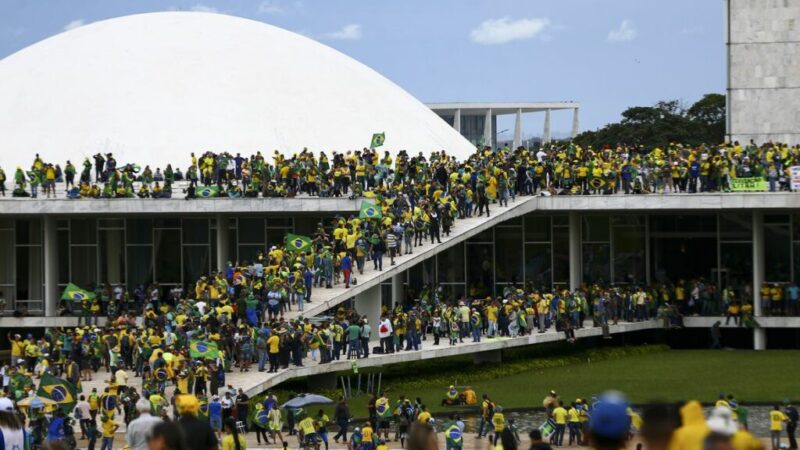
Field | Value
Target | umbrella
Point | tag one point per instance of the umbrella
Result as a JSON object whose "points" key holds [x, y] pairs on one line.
{"points": [[307, 399], [36, 402]]}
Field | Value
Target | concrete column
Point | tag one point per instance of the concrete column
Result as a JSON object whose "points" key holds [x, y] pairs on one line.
{"points": [[457, 121], [368, 303], [759, 334], [575, 268], [518, 129], [222, 242], [50, 267], [575, 122], [546, 133], [398, 290], [487, 129]]}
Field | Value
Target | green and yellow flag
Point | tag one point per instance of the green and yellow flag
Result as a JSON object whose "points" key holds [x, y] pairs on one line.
{"points": [[207, 191], [298, 243], [369, 211], [377, 140], [58, 390], [203, 350], [74, 293]]}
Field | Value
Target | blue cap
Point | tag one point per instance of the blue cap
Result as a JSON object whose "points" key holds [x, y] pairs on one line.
{"points": [[609, 417]]}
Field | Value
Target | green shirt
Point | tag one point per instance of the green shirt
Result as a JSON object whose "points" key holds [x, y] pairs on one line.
{"points": [[353, 332]]}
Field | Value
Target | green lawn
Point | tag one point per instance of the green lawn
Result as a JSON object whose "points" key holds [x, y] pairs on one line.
{"points": [[672, 375], [657, 375]]}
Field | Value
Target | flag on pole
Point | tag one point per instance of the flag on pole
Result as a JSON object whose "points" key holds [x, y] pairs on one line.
{"points": [[207, 191], [369, 211], [203, 350], [377, 140], [298, 243], [58, 390], [74, 293]]}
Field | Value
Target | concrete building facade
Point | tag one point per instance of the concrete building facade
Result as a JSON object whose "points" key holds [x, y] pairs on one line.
{"points": [[763, 70]]}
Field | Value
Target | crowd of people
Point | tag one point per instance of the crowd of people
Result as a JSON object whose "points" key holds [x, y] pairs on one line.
{"points": [[556, 168]]}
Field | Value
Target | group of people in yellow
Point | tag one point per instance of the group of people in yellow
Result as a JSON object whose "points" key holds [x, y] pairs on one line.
{"points": [[557, 167]]}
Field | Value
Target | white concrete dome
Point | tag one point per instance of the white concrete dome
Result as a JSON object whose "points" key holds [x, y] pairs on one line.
{"points": [[151, 88]]}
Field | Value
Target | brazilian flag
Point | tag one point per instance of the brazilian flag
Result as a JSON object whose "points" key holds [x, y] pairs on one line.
{"points": [[369, 211], [74, 293], [260, 418], [203, 350], [58, 390], [207, 191], [383, 408], [19, 381], [202, 413], [377, 140], [298, 243]]}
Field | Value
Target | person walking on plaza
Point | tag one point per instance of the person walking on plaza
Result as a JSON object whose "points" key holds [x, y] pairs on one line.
{"points": [[140, 429], [776, 421], [792, 417]]}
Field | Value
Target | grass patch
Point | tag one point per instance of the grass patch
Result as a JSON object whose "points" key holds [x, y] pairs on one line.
{"points": [[644, 373]]}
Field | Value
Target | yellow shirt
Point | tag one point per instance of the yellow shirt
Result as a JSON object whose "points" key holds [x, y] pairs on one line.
{"points": [[307, 426], [776, 419], [228, 444], [366, 433], [560, 415], [108, 428], [273, 342], [499, 422], [573, 415]]}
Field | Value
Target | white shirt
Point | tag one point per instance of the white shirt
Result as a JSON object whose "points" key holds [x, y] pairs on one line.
{"points": [[385, 329], [84, 407]]}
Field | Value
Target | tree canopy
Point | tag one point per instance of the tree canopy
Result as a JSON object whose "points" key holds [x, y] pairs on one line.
{"points": [[662, 123]]}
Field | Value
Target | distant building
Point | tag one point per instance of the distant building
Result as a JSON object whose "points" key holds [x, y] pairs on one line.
{"points": [[477, 122]]}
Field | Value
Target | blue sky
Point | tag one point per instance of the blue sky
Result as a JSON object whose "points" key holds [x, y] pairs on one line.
{"points": [[607, 54]]}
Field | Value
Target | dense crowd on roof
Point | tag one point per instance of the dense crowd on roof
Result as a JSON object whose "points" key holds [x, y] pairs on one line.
{"points": [[560, 168]]}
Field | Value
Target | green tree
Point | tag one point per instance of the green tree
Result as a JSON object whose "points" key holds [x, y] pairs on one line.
{"points": [[663, 123]]}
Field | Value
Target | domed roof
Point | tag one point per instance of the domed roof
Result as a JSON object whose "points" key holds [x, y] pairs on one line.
{"points": [[151, 88]]}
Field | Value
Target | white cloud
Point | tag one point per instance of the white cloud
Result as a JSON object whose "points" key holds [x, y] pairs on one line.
{"points": [[500, 31], [74, 24], [204, 8], [624, 33], [270, 7], [350, 32]]}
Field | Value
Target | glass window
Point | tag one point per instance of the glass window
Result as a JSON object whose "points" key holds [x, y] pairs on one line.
{"points": [[195, 231], [195, 262], [275, 236], [29, 273], [595, 228], [139, 265], [777, 252], [139, 231], [251, 231], [537, 228], [83, 231], [112, 256], [627, 220], [483, 236], [561, 255], [62, 237], [776, 218], [678, 223], [479, 269], [249, 252], [561, 221], [596, 268], [736, 227], [168, 256], [112, 223], [83, 266], [508, 253], [451, 264], [736, 264], [515, 221], [6, 256], [29, 231], [452, 292], [538, 265], [629, 255], [420, 275], [168, 223], [280, 222]]}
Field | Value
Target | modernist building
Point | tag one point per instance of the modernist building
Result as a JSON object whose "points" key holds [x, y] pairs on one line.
{"points": [[477, 122], [763, 42]]}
